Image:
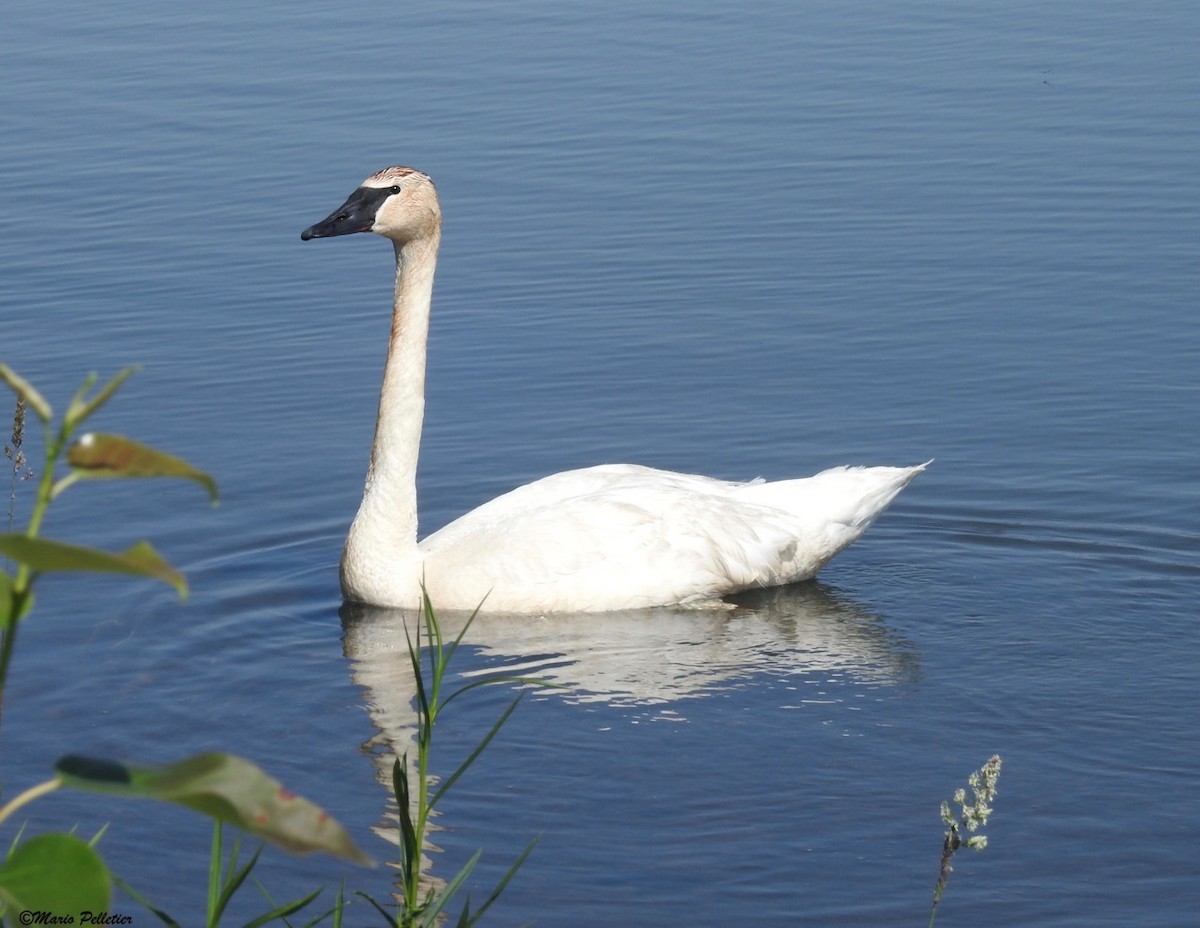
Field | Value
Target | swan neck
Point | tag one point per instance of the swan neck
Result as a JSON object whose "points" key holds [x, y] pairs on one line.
{"points": [[386, 523]]}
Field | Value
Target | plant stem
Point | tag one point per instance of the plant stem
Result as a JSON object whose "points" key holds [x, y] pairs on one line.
{"points": [[22, 581], [21, 587], [28, 796], [8, 640]]}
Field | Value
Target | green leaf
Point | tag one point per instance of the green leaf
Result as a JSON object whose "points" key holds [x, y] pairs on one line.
{"points": [[105, 456], [226, 787], [41, 555], [25, 391], [55, 873], [80, 407], [410, 846]]}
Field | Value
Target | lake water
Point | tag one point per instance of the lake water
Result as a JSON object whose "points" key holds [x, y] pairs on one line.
{"points": [[736, 240]]}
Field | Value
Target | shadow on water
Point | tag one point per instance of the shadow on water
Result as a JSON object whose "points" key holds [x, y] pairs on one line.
{"points": [[658, 656]]}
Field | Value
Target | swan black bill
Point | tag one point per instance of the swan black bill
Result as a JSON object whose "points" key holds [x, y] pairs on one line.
{"points": [[357, 214]]}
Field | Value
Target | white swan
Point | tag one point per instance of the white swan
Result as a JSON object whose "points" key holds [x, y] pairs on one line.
{"points": [[612, 537]]}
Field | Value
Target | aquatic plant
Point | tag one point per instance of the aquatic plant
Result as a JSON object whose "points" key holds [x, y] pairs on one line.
{"points": [[59, 873], [422, 904], [972, 816]]}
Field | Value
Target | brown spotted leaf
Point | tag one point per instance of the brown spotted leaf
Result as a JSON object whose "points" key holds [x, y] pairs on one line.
{"points": [[100, 455], [226, 787]]}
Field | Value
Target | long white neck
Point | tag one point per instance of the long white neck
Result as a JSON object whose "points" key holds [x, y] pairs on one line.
{"points": [[381, 548]]}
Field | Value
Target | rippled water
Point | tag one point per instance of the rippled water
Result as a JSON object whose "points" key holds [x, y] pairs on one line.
{"points": [[751, 241]]}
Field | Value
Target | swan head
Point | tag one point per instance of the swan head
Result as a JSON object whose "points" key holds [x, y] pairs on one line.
{"points": [[398, 203]]}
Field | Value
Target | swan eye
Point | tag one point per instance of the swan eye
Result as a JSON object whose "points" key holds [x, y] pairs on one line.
{"points": [[395, 188]]}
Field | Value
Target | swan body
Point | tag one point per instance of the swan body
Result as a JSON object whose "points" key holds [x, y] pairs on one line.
{"points": [[617, 536]]}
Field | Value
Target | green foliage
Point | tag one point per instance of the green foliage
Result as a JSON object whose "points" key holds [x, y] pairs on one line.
{"points": [[226, 877], [422, 907], [58, 873], [90, 457], [55, 873]]}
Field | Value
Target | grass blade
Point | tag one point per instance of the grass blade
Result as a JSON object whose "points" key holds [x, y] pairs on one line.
{"points": [[151, 907], [338, 910], [479, 749], [280, 913], [378, 908], [505, 880], [409, 845], [232, 885], [216, 855], [429, 916]]}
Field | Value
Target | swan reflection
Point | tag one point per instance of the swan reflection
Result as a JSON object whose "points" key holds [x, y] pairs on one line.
{"points": [[637, 657], [649, 657]]}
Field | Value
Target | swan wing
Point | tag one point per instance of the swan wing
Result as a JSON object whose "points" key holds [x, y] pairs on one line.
{"points": [[624, 536]]}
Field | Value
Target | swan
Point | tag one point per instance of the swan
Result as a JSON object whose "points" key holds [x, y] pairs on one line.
{"points": [[617, 536]]}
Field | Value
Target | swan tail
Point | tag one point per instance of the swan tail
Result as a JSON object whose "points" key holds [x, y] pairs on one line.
{"points": [[824, 515]]}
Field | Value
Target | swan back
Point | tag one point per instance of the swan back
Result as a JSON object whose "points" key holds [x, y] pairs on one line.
{"points": [[622, 536]]}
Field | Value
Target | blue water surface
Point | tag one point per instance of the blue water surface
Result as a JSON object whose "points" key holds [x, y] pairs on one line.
{"points": [[739, 240]]}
